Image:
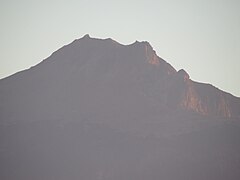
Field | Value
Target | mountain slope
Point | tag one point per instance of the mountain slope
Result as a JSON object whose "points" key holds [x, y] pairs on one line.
{"points": [[104, 63], [96, 109]]}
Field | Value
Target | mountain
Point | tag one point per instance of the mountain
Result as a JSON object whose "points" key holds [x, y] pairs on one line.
{"points": [[97, 109]]}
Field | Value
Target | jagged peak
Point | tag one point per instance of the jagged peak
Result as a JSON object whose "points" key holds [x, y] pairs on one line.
{"points": [[146, 43], [182, 73], [137, 43], [86, 36], [142, 43]]}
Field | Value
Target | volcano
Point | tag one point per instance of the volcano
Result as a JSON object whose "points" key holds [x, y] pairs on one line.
{"points": [[97, 109]]}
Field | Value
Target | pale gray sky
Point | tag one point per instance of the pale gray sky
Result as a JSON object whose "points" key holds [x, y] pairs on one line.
{"points": [[200, 36]]}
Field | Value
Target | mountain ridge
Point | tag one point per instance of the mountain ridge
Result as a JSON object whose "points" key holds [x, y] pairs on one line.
{"points": [[153, 74]]}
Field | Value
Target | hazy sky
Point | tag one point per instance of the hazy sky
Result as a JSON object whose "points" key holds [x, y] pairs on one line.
{"points": [[200, 36]]}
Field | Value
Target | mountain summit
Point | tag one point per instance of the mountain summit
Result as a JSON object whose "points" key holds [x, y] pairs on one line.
{"points": [[97, 109], [90, 63]]}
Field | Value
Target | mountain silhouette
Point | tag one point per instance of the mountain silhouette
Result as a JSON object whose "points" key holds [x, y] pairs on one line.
{"points": [[97, 109]]}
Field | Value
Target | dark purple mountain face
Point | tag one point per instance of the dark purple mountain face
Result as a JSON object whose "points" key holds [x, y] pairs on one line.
{"points": [[96, 109]]}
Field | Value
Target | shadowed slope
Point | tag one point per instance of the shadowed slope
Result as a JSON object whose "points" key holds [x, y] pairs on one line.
{"points": [[96, 109]]}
